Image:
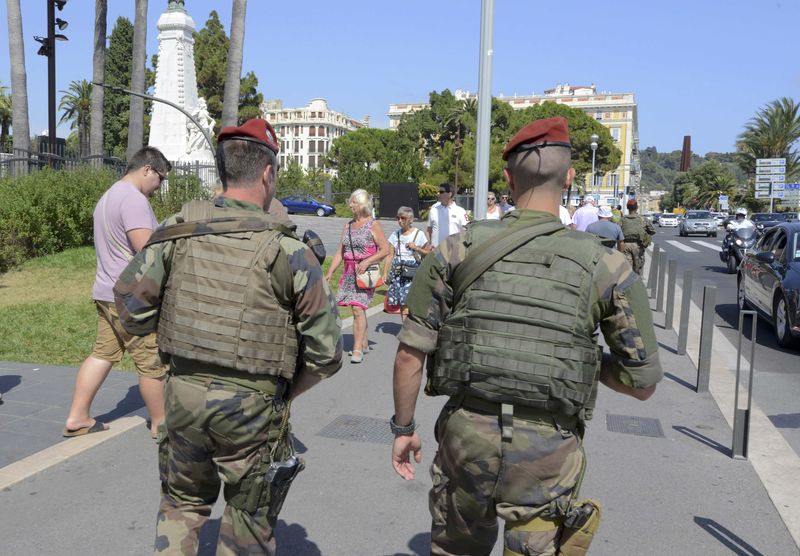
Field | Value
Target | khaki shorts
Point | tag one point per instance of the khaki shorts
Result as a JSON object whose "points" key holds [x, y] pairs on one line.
{"points": [[112, 341]]}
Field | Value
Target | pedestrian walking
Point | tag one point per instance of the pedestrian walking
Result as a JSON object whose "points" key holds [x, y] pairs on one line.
{"points": [[493, 210], [409, 246], [362, 245], [248, 324], [585, 215], [123, 222], [611, 234], [638, 235], [519, 362], [445, 217]]}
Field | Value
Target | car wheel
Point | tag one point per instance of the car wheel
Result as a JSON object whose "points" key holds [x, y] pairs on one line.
{"points": [[740, 297], [780, 319], [731, 264], [320, 211]]}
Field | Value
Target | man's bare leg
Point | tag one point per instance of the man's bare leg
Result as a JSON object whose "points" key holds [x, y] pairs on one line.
{"points": [[152, 390], [92, 373]]}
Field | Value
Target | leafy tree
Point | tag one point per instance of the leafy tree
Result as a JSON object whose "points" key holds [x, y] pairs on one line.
{"points": [[249, 98], [291, 179], [772, 133], [77, 105], [701, 187], [116, 106], [5, 115]]}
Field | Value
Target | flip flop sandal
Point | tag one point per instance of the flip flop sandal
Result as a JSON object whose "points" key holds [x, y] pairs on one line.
{"points": [[97, 427]]}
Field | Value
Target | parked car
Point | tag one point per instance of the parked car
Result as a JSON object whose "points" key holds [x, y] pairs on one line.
{"points": [[303, 204], [718, 218], [769, 281], [653, 216], [668, 220], [697, 222]]}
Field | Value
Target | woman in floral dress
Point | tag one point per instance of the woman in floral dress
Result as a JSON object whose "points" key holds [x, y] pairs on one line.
{"points": [[363, 243], [409, 246]]}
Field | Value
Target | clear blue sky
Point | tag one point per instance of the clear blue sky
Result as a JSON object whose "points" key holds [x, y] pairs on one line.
{"points": [[699, 68]]}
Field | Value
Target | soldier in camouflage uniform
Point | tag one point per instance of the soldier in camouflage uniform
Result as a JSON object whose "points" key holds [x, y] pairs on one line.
{"points": [[247, 322], [519, 359], [637, 232]]}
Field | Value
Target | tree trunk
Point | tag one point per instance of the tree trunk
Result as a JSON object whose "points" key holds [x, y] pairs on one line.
{"points": [[19, 85], [98, 76], [136, 115], [233, 79], [83, 138]]}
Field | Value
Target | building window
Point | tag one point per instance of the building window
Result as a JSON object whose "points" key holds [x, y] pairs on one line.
{"points": [[598, 115], [283, 161], [321, 131], [312, 131], [311, 161], [613, 181], [301, 160], [297, 146], [297, 130], [321, 146], [614, 134], [311, 146]]}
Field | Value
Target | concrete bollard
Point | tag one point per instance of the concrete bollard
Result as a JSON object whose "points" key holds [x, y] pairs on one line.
{"points": [[686, 303], [672, 270], [706, 337], [662, 276], [651, 276], [741, 417]]}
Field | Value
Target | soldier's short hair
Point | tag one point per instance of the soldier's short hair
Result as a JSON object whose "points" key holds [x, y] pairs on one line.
{"points": [[539, 167], [245, 162], [149, 156], [364, 201]]}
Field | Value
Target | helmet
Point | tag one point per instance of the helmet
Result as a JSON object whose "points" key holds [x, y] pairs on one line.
{"points": [[742, 211]]}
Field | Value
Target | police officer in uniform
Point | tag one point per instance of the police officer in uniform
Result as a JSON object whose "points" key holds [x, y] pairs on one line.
{"points": [[247, 323], [519, 361], [637, 233]]}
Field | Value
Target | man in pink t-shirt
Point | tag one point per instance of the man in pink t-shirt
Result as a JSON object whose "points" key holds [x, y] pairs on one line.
{"points": [[123, 222]]}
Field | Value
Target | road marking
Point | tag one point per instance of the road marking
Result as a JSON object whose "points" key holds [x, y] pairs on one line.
{"points": [[714, 246], [682, 247]]}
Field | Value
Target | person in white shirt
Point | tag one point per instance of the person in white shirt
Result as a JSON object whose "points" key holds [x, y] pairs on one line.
{"points": [[741, 221], [446, 217], [493, 210], [585, 215], [565, 217]]}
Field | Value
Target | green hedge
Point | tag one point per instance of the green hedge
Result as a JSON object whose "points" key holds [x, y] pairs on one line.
{"points": [[50, 211]]}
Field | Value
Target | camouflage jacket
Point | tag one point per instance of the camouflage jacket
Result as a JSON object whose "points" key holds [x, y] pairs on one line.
{"points": [[297, 281], [619, 306]]}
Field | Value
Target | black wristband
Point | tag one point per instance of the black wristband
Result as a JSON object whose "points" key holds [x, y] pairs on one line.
{"points": [[406, 430]]}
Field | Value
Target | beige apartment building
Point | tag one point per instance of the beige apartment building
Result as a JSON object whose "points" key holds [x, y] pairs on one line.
{"points": [[616, 111], [306, 134]]}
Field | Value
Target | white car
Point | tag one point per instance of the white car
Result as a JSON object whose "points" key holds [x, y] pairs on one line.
{"points": [[668, 221]]}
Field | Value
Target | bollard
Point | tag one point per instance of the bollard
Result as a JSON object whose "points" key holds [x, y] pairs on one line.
{"points": [[662, 272], [651, 276], [672, 270], [686, 303], [741, 417], [706, 337]]}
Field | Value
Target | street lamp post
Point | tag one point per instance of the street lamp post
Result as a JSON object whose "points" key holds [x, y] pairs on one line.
{"points": [[48, 49], [595, 138]]}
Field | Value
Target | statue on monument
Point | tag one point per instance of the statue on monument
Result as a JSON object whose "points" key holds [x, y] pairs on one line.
{"points": [[195, 139]]}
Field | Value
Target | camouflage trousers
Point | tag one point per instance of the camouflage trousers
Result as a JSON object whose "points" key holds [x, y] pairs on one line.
{"points": [[478, 477], [213, 429], [634, 253]]}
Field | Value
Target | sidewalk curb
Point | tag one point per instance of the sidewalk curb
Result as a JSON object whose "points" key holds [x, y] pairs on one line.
{"points": [[38, 462], [771, 456]]}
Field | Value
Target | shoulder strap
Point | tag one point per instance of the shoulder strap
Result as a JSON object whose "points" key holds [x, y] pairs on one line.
{"points": [[488, 253], [217, 226]]}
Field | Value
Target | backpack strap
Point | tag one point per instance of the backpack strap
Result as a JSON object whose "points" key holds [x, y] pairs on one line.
{"points": [[216, 226], [480, 259]]}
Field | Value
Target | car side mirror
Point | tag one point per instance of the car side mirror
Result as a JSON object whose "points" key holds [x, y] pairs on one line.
{"points": [[767, 257]]}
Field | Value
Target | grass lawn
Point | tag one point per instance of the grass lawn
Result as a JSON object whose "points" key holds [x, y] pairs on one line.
{"points": [[47, 315]]}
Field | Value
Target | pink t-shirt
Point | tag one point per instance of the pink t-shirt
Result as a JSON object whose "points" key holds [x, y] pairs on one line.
{"points": [[122, 208]]}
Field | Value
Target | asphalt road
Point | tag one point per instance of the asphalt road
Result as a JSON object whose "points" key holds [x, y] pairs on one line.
{"points": [[776, 383]]}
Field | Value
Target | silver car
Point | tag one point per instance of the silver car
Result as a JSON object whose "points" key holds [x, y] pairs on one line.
{"points": [[697, 222]]}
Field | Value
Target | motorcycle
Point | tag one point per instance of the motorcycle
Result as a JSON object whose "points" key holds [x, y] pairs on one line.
{"points": [[735, 245]]}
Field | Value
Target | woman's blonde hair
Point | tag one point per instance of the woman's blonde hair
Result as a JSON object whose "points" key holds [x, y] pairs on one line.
{"points": [[363, 200]]}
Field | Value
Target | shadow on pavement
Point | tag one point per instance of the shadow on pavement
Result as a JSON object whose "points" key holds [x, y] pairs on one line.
{"points": [[668, 348], [392, 328], [765, 333], [9, 382], [680, 381], [694, 435], [785, 420], [420, 544], [293, 539], [130, 403], [734, 543]]}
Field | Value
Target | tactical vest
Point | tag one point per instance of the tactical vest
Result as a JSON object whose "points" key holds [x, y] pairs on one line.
{"points": [[633, 228], [219, 306], [523, 332]]}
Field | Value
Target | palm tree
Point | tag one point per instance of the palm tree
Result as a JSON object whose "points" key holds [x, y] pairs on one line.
{"points": [[457, 125], [98, 76], [771, 133], [5, 116], [230, 99], [77, 106], [136, 113], [19, 81]]}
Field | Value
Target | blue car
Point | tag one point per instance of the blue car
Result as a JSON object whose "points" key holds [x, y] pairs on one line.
{"points": [[303, 204]]}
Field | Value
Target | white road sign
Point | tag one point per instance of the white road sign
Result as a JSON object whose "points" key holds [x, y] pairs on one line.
{"points": [[763, 170], [763, 186], [771, 178], [762, 194], [770, 162], [777, 195], [777, 186]]}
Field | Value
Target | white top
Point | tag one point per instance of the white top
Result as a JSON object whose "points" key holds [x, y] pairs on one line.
{"points": [[445, 221], [404, 253], [584, 216], [563, 214], [746, 223], [496, 215]]}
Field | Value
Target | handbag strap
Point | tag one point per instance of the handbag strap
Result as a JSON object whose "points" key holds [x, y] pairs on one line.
{"points": [[488, 253]]}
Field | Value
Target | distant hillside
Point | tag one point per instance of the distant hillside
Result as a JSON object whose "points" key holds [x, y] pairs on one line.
{"points": [[659, 170]]}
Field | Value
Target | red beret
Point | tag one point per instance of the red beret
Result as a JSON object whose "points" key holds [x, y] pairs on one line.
{"points": [[255, 130], [632, 203], [550, 132]]}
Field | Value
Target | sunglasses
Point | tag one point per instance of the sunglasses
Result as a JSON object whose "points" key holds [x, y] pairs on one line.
{"points": [[161, 177]]}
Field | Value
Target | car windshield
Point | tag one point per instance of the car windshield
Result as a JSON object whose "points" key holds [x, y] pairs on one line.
{"points": [[697, 215], [766, 217]]}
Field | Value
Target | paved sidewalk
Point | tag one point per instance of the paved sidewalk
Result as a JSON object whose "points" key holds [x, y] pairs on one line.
{"points": [[666, 482]]}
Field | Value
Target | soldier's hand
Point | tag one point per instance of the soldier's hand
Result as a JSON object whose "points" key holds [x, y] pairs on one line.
{"points": [[402, 449]]}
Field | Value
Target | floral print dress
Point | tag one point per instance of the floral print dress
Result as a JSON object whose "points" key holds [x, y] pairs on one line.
{"points": [[363, 246]]}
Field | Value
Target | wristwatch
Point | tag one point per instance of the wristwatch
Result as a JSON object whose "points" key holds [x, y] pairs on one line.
{"points": [[406, 430]]}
